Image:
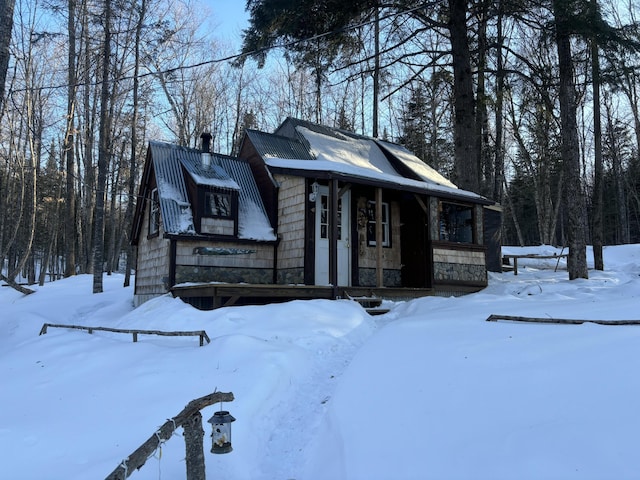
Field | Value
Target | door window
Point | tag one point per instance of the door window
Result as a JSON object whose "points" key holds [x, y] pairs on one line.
{"points": [[324, 217]]}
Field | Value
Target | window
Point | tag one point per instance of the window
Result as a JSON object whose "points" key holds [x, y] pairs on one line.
{"points": [[217, 204], [371, 224], [456, 222], [324, 216], [154, 213]]}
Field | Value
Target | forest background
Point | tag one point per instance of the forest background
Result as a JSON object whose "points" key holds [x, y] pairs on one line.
{"points": [[534, 104]]}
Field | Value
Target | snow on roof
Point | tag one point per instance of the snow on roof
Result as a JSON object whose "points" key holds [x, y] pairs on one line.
{"points": [[223, 172], [369, 174], [361, 157], [416, 165], [361, 153], [253, 223], [213, 175], [172, 193], [271, 145]]}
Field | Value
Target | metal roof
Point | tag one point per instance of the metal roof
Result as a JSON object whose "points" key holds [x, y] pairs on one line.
{"points": [[213, 175], [224, 172], [276, 146], [175, 209], [339, 152], [251, 208]]}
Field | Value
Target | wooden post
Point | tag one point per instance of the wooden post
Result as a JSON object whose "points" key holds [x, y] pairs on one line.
{"points": [[379, 265], [193, 442], [333, 236], [139, 457]]}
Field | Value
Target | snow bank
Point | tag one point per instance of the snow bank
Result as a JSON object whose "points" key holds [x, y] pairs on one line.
{"points": [[324, 391]]}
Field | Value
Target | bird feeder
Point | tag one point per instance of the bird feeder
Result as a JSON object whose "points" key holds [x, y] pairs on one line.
{"points": [[221, 434]]}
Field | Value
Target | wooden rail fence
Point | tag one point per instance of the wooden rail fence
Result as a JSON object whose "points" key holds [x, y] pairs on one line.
{"points": [[135, 332], [535, 257], [190, 419], [565, 321]]}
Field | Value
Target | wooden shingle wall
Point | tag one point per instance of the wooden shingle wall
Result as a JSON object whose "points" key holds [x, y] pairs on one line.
{"points": [[217, 226], [152, 272], [292, 203], [366, 253]]}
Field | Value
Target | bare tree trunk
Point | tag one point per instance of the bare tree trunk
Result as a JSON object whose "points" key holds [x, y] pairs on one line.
{"points": [[376, 71], [103, 156], [466, 158], [598, 223], [574, 195], [46, 261], [134, 142], [499, 156], [513, 215], [622, 225], [69, 149], [89, 184], [6, 26], [485, 170]]}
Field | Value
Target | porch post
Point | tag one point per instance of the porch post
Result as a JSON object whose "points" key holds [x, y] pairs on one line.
{"points": [[379, 268], [333, 237]]}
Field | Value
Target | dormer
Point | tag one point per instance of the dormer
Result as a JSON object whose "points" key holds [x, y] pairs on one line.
{"points": [[214, 194]]}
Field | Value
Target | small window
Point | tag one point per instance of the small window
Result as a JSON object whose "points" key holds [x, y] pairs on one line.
{"points": [[371, 224], [154, 213], [217, 204], [456, 223]]}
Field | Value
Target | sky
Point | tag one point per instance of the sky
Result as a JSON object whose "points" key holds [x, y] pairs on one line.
{"points": [[323, 391], [230, 18]]}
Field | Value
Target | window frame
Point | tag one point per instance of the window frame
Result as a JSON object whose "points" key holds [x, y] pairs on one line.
{"points": [[457, 229], [371, 224], [323, 219], [207, 211]]}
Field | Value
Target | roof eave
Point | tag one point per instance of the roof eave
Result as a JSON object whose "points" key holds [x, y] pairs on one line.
{"points": [[328, 174]]}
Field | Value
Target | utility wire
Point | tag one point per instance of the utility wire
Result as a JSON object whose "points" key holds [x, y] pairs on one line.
{"points": [[229, 58]]}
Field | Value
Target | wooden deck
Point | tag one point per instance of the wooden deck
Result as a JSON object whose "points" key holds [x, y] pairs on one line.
{"points": [[214, 295]]}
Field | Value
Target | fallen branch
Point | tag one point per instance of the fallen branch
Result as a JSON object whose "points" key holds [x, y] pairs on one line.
{"points": [[566, 321], [199, 333], [13, 284], [139, 457]]}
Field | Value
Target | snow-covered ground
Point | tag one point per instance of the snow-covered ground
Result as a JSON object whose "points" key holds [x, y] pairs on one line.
{"points": [[324, 391]]}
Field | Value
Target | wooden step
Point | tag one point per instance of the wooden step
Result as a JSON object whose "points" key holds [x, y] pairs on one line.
{"points": [[371, 303]]}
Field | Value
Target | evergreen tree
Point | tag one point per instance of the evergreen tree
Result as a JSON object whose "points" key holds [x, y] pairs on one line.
{"points": [[414, 126]]}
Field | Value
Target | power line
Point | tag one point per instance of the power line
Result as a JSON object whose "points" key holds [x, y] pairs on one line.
{"points": [[229, 58]]}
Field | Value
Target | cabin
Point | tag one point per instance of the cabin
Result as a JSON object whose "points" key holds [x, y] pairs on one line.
{"points": [[308, 211]]}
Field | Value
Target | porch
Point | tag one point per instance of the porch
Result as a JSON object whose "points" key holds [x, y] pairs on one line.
{"points": [[208, 296]]}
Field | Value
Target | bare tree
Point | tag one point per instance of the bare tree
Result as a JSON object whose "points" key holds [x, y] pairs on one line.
{"points": [[6, 27], [69, 146], [103, 155]]}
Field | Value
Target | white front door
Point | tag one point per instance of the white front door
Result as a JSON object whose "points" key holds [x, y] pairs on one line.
{"points": [[323, 232]]}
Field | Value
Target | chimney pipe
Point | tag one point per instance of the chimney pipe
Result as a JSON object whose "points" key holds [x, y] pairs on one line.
{"points": [[206, 142], [206, 149]]}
